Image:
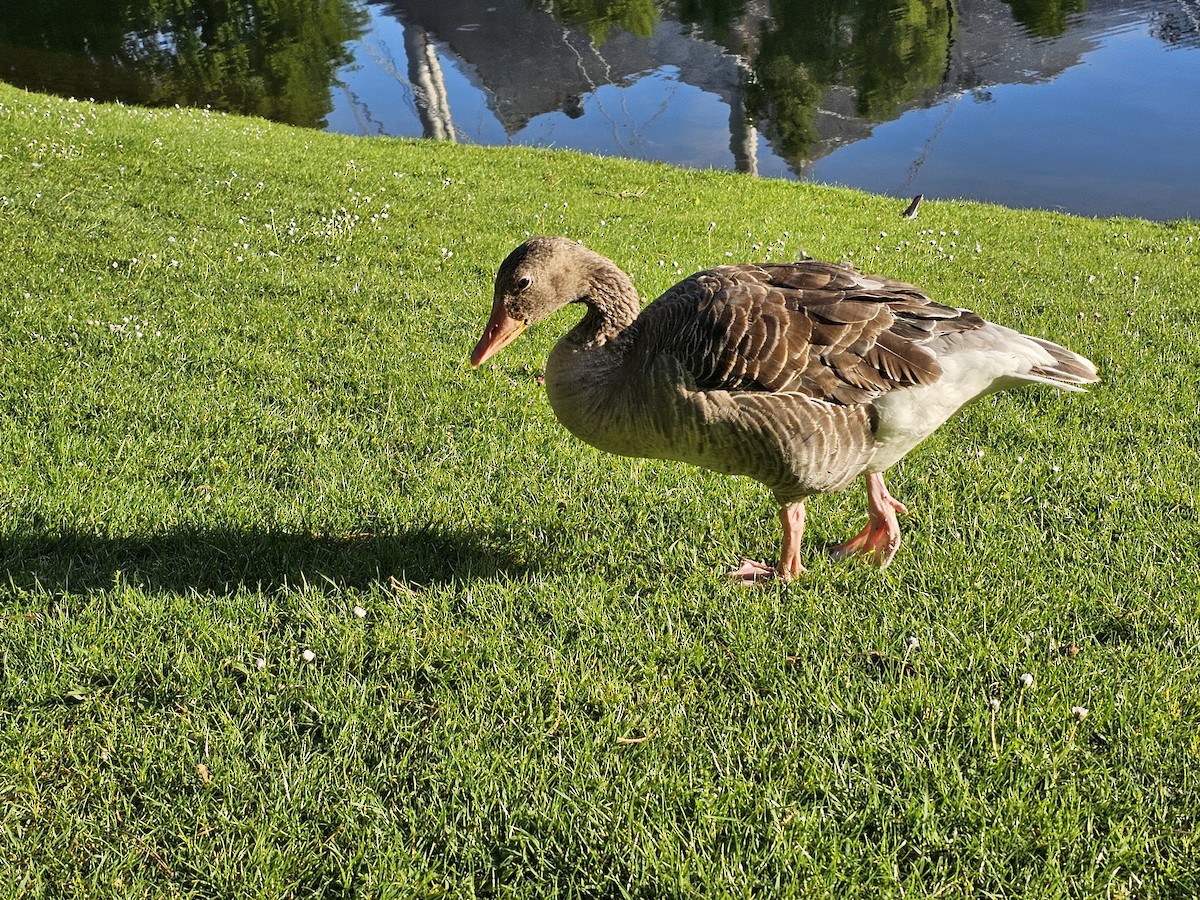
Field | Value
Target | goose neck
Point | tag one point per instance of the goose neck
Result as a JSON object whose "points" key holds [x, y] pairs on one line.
{"points": [[613, 305]]}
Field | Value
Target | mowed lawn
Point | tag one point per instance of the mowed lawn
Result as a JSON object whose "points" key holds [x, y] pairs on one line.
{"points": [[295, 603]]}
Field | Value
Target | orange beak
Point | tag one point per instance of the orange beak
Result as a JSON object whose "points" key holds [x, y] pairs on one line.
{"points": [[502, 329]]}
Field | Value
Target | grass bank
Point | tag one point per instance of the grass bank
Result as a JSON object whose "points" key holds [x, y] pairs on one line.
{"points": [[296, 604]]}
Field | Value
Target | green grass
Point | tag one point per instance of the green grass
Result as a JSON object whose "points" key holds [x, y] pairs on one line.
{"points": [[236, 406]]}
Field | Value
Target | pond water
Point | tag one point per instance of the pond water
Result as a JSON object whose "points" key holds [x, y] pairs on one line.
{"points": [[1087, 106]]}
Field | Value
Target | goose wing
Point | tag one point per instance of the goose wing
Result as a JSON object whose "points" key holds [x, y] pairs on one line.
{"points": [[820, 329]]}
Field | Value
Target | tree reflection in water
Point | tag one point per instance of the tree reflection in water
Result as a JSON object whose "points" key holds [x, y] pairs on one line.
{"points": [[809, 74], [1045, 18], [601, 17], [279, 58], [888, 52], [271, 58]]}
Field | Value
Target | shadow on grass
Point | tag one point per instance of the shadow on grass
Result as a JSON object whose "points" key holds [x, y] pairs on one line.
{"points": [[219, 561]]}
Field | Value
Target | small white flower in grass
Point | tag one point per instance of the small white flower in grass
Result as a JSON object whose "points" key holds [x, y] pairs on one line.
{"points": [[359, 612], [994, 705], [1026, 681], [1079, 712], [308, 656], [912, 643]]}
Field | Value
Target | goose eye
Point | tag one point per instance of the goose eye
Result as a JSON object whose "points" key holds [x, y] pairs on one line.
{"points": [[523, 284]]}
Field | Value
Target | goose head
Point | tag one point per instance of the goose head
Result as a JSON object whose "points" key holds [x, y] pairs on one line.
{"points": [[536, 280], [545, 274]]}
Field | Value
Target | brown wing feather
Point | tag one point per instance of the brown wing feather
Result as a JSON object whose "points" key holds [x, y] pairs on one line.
{"points": [[816, 328]]}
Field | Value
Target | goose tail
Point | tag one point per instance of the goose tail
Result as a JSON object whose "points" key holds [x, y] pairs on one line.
{"points": [[1068, 371]]}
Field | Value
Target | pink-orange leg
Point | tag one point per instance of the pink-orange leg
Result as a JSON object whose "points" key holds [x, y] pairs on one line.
{"points": [[881, 537], [751, 572]]}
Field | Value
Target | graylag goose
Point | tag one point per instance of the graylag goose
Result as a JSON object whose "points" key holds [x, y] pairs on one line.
{"points": [[803, 376]]}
